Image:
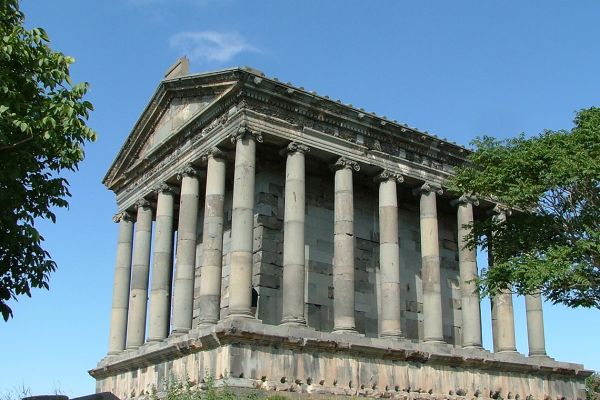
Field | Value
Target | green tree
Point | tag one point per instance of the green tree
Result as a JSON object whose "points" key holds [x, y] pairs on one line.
{"points": [[592, 387], [550, 241], [42, 132]]}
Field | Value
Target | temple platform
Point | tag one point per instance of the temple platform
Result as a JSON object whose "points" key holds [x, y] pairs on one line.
{"points": [[249, 354]]}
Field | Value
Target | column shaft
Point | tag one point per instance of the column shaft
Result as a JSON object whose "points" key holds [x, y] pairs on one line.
{"points": [[242, 226], [389, 255], [183, 290], [212, 241], [343, 248], [535, 325], [293, 237], [503, 320], [430, 265], [470, 307], [160, 294], [120, 300], [136, 322]]}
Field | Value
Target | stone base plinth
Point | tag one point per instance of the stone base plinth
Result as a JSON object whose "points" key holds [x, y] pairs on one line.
{"points": [[249, 354]]}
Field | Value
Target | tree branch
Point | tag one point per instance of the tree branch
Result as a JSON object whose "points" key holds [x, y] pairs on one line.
{"points": [[10, 146]]}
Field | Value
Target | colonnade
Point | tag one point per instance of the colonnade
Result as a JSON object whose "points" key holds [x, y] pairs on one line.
{"points": [[128, 321]]}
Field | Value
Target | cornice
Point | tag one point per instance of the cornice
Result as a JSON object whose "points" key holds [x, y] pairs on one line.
{"points": [[348, 118], [251, 90]]}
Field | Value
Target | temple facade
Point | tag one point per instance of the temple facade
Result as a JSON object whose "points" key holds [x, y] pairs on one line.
{"points": [[276, 239]]}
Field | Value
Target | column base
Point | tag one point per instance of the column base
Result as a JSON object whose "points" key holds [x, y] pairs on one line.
{"points": [[473, 347], [293, 322], [539, 355], [345, 332], [508, 351], [434, 340], [155, 340], [179, 332], [207, 323], [240, 315], [391, 335]]}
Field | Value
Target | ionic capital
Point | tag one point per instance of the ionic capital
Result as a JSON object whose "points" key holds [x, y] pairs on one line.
{"points": [[344, 162], [465, 199], [500, 211], [123, 216], [165, 188], [142, 203], [215, 152], [296, 147], [429, 187], [244, 132], [387, 175], [188, 170]]}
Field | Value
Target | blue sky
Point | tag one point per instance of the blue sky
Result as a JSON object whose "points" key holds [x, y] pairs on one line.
{"points": [[458, 69]]}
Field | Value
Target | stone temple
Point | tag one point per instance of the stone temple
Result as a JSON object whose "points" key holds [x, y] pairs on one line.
{"points": [[279, 240]]}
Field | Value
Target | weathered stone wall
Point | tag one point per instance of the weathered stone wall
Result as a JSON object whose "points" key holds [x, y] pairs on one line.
{"points": [[268, 249], [252, 355]]}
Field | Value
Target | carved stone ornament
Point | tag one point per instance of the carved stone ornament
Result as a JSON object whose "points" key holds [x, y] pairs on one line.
{"points": [[501, 210], [123, 216], [215, 152], [465, 199], [344, 162], [188, 170], [429, 187], [294, 147], [387, 175], [243, 131], [165, 188], [142, 203]]}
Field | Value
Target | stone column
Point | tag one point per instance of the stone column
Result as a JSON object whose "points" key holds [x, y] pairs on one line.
{"points": [[503, 320], [242, 223], [535, 325], [212, 241], [343, 247], [430, 263], [136, 322], [160, 294], [183, 290], [293, 237], [389, 254], [467, 264], [120, 300]]}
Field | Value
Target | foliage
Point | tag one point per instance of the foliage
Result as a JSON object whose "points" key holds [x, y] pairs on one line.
{"points": [[175, 388], [16, 393], [592, 387], [550, 241], [42, 132]]}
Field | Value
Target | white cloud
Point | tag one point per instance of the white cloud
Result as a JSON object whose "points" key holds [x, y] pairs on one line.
{"points": [[210, 46]]}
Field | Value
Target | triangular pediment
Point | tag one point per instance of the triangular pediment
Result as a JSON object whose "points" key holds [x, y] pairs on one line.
{"points": [[180, 111], [176, 104]]}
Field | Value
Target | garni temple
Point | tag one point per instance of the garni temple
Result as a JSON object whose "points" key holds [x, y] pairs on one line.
{"points": [[275, 239]]}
